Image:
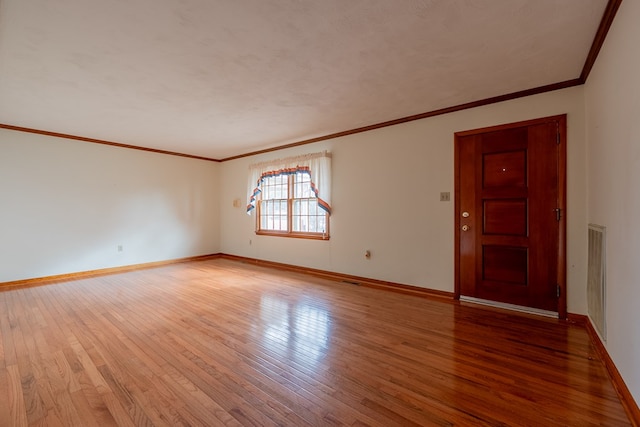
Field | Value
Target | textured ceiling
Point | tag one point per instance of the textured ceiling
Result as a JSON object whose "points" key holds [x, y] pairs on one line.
{"points": [[218, 78]]}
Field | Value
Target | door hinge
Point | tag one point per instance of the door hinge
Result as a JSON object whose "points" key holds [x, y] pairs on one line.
{"points": [[558, 290], [558, 214]]}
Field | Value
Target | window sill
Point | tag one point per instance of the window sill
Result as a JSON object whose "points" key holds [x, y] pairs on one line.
{"points": [[310, 236]]}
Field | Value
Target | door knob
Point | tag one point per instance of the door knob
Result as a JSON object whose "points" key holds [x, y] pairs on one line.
{"points": [[465, 214], [465, 227]]}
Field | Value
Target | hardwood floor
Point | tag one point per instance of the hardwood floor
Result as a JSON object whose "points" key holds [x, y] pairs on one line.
{"points": [[223, 343]]}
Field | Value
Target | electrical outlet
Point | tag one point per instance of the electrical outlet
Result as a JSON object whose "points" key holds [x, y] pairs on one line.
{"points": [[119, 248], [445, 196]]}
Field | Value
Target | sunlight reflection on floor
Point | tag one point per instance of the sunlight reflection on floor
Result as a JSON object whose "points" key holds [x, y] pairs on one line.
{"points": [[299, 331]]}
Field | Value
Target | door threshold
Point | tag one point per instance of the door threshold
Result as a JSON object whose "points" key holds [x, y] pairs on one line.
{"points": [[513, 307]]}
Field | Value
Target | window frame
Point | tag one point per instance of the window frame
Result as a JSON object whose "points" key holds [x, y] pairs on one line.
{"points": [[289, 232]]}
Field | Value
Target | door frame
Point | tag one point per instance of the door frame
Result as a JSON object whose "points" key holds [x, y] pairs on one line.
{"points": [[561, 120]]}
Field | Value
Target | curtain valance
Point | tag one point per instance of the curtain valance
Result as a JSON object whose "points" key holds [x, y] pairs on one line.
{"points": [[317, 165]]}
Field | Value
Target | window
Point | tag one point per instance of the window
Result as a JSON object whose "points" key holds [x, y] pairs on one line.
{"points": [[292, 196], [288, 206]]}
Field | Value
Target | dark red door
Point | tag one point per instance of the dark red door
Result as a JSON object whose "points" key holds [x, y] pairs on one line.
{"points": [[509, 214]]}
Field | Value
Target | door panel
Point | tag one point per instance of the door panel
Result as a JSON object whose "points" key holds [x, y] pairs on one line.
{"points": [[508, 233], [504, 169], [504, 264], [505, 216]]}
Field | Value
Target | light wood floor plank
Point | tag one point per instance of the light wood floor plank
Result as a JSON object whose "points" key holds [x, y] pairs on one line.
{"points": [[219, 342], [18, 412]]}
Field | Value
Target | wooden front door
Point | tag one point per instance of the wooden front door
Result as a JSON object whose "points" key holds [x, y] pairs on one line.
{"points": [[509, 206]]}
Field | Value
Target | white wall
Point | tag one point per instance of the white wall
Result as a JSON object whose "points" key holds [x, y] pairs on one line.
{"points": [[386, 187], [66, 206], [612, 96]]}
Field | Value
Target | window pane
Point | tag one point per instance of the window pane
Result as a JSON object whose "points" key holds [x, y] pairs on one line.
{"points": [[295, 223], [322, 223], [273, 215], [274, 187], [308, 217], [302, 186], [266, 189], [299, 213]]}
